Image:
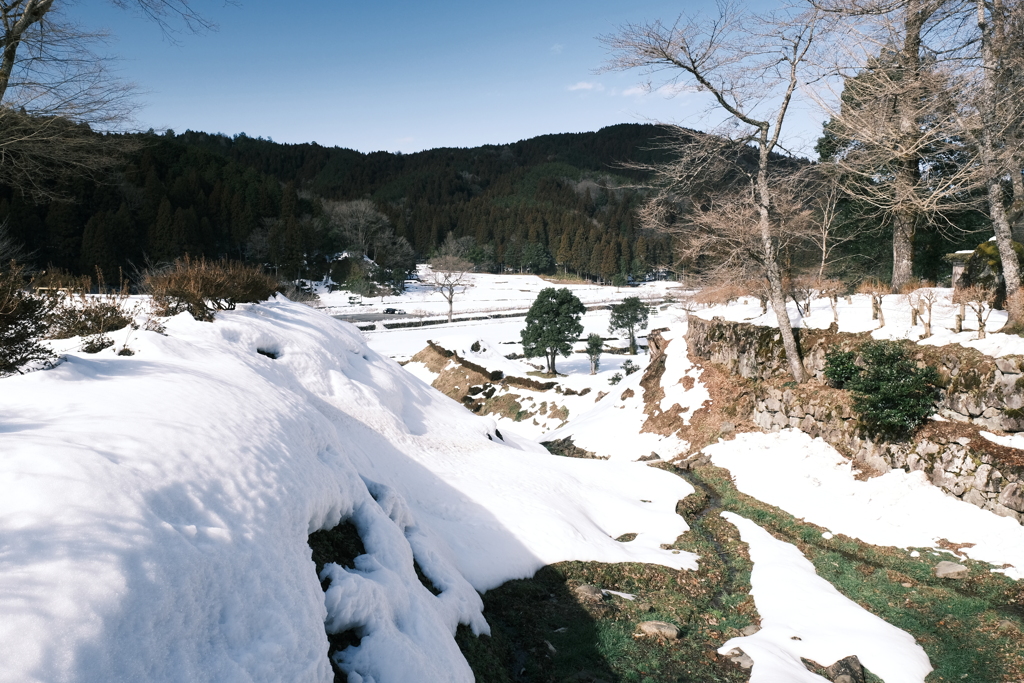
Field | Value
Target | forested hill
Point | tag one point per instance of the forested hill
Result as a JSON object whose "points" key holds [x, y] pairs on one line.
{"points": [[563, 198]]}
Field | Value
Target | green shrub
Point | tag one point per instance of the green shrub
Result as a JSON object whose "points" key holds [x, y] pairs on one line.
{"points": [[892, 395], [204, 287], [22, 322], [615, 379], [840, 367], [629, 367]]}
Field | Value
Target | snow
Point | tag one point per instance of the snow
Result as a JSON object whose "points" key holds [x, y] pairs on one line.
{"points": [[611, 428], [154, 509], [810, 480], [1010, 440], [485, 293], [856, 317], [803, 615]]}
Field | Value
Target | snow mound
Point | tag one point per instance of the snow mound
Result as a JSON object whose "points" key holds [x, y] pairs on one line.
{"points": [[154, 509]]}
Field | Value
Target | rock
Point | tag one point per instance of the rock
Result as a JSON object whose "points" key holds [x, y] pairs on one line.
{"points": [[750, 630], [951, 570], [660, 629], [1012, 496], [588, 593], [846, 670], [738, 656], [727, 427], [1007, 365], [648, 458]]}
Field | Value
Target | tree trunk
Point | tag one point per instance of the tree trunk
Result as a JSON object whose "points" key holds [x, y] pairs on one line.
{"points": [[776, 295], [908, 162], [990, 163], [451, 305], [904, 227]]}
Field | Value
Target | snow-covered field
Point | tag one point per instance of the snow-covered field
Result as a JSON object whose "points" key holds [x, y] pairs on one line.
{"points": [[154, 509], [483, 293]]}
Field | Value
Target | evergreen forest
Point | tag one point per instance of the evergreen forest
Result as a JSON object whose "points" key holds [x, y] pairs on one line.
{"points": [[554, 203]]}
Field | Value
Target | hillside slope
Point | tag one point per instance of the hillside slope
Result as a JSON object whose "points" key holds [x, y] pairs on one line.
{"points": [[154, 509]]}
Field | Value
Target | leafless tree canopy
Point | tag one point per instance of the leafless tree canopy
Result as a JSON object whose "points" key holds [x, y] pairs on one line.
{"points": [[752, 66], [57, 87], [358, 225], [450, 276]]}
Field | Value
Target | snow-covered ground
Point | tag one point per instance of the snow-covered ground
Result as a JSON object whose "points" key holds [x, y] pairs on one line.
{"points": [[804, 616], [809, 479], [483, 293], [155, 508], [855, 316]]}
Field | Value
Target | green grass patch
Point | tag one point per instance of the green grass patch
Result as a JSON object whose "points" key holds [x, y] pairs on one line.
{"points": [[972, 629]]}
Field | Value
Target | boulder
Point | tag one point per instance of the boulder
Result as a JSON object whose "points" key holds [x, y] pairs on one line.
{"points": [[588, 593], [1012, 496], [847, 670], [738, 656], [660, 629], [951, 570]]}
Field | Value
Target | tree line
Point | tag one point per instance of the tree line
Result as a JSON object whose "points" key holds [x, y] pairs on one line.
{"points": [[293, 208]]}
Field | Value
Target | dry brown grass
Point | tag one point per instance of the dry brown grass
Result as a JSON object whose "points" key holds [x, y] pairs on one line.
{"points": [[204, 287], [720, 294]]}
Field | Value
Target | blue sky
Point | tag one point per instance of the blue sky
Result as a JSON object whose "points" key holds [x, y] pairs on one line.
{"points": [[390, 75]]}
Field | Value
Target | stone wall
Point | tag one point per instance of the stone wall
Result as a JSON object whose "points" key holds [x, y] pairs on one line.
{"points": [[978, 392], [954, 456], [976, 388]]}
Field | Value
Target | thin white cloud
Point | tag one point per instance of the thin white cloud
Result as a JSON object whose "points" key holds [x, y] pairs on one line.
{"points": [[672, 89], [636, 91], [557, 48], [586, 85], [668, 91]]}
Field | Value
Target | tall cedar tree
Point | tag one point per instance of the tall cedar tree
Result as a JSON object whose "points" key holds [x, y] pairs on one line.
{"points": [[552, 325]]}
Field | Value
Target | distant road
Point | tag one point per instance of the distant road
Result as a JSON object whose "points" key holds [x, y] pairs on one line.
{"points": [[370, 317]]}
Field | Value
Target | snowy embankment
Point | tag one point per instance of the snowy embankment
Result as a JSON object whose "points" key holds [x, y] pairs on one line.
{"points": [[855, 316], [615, 427], [810, 480], [154, 509]]}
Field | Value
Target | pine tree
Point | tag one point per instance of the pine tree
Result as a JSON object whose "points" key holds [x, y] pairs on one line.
{"points": [[552, 325]]}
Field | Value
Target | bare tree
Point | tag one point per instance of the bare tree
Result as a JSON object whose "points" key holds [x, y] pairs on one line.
{"points": [[752, 66], [57, 92], [980, 300], [893, 134], [449, 275], [824, 203], [10, 249], [997, 87], [357, 225]]}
